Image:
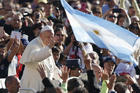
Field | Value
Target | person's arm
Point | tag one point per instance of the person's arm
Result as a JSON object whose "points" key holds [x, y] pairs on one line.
{"points": [[127, 21], [13, 50], [137, 69], [131, 82], [93, 86], [136, 7], [10, 43], [38, 55], [67, 49], [111, 83], [105, 78], [3, 36], [122, 4], [136, 88], [64, 77], [46, 81]]}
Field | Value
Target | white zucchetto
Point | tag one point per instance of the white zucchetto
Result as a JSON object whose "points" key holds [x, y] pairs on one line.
{"points": [[47, 28]]}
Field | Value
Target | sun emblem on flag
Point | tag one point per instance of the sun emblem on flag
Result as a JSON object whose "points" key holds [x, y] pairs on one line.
{"points": [[96, 32]]}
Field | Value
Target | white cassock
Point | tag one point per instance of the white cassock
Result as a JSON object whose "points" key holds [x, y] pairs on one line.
{"points": [[37, 53]]}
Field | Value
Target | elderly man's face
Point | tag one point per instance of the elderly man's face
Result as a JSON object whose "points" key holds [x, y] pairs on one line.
{"points": [[47, 36]]}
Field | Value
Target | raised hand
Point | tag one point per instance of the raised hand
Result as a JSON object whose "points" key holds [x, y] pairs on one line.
{"points": [[87, 61], [105, 76], [65, 73], [41, 70], [72, 39], [111, 83], [129, 81], [3, 35], [51, 42], [16, 43]]}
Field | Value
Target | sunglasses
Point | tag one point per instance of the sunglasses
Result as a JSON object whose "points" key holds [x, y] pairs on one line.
{"points": [[112, 16]]}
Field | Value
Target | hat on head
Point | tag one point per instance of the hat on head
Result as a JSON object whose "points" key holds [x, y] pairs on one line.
{"points": [[47, 28], [109, 59]]}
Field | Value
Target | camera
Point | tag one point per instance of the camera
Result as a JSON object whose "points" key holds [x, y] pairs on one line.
{"points": [[73, 63], [37, 16], [26, 14]]}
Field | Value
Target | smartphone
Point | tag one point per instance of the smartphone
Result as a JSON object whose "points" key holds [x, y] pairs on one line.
{"points": [[116, 10], [16, 34]]}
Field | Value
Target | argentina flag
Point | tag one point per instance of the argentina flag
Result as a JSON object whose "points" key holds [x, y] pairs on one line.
{"points": [[104, 34]]}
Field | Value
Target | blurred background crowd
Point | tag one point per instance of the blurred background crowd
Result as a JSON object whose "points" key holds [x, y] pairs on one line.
{"points": [[85, 68]]}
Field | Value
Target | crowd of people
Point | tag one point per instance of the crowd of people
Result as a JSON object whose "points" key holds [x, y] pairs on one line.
{"points": [[39, 52]]}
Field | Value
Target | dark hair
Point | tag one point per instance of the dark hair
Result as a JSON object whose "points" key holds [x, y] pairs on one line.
{"points": [[58, 25], [56, 49], [80, 90], [50, 90], [120, 87], [96, 10], [134, 26], [36, 10], [62, 56], [131, 7], [9, 80], [119, 17], [73, 83], [38, 25], [57, 30], [3, 90], [25, 4]]}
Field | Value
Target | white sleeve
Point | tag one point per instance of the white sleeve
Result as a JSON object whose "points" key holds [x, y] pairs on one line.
{"points": [[39, 55]]}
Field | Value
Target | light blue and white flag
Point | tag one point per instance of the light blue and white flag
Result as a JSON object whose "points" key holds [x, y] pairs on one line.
{"points": [[104, 34]]}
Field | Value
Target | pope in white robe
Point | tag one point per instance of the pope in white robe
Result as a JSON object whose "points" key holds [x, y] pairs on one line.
{"points": [[38, 53]]}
